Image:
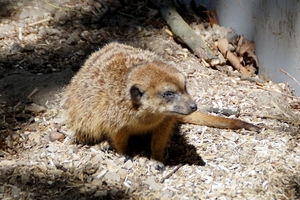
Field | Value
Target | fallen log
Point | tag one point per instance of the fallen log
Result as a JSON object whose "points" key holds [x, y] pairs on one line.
{"points": [[183, 31]]}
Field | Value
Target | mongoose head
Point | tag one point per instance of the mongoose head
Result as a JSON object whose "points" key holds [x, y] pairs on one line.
{"points": [[160, 88]]}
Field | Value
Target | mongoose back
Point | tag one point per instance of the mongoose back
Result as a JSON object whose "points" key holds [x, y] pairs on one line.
{"points": [[122, 91]]}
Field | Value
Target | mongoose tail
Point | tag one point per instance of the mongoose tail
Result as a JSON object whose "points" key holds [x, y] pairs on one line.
{"points": [[204, 119]]}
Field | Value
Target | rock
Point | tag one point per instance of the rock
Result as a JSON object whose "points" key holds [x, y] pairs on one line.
{"points": [[17, 48], [114, 193], [142, 161], [52, 31], [230, 135], [90, 168], [167, 194], [100, 194], [35, 136], [35, 108], [98, 158], [112, 177], [42, 168], [56, 136], [128, 164], [61, 16], [29, 47], [73, 39], [111, 166], [22, 163], [75, 149], [42, 32], [32, 38], [7, 162], [88, 189], [25, 179], [151, 182], [122, 173], [15, 192], [6, 30], [56, 172], [51, 148]]}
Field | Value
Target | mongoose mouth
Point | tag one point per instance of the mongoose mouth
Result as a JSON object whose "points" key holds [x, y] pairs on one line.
{"points": [[182, 113], [186, 110]]}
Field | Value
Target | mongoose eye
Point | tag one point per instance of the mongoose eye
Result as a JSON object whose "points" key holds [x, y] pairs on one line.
{"points": [[168, 95]]}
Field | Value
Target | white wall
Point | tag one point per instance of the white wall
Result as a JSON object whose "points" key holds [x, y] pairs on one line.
{"points": [[274, 25]]}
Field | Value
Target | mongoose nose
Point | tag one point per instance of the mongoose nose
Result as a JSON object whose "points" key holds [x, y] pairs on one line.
{"points": [[193, 107]]}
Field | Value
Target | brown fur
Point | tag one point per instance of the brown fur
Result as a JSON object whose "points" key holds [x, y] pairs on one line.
{"points": [[122, 91]]}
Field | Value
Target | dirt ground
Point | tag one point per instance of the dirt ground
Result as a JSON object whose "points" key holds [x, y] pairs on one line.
{"points": [[43, 44]]}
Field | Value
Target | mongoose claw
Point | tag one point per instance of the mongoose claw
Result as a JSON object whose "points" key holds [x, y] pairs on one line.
{"points": [[104, 146], [127, 157], [158, 165]]}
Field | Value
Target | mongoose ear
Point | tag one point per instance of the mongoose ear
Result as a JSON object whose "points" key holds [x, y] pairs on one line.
{"points": [[136, 94]]}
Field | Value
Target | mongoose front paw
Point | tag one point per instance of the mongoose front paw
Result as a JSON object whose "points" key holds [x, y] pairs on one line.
{"points": [[158, 165]]}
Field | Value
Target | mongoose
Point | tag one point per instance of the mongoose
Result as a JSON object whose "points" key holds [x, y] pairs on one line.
{"points": [[122, 91]]}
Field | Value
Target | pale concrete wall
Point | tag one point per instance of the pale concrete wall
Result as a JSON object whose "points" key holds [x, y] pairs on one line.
{"points": [[274, 25]]}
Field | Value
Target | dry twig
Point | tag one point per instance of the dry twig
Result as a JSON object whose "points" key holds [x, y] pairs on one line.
{"points": [[41, 21], [290, 76], [287, 95], [171, 173], [33, 93]]}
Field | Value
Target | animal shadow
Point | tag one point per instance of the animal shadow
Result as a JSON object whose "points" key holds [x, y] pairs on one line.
{"points": [[177, 152]]}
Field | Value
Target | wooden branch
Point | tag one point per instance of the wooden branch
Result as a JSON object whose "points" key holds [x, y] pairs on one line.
{"points": [[171, 173], [182, 30], [223, 111], [233, 59]]}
